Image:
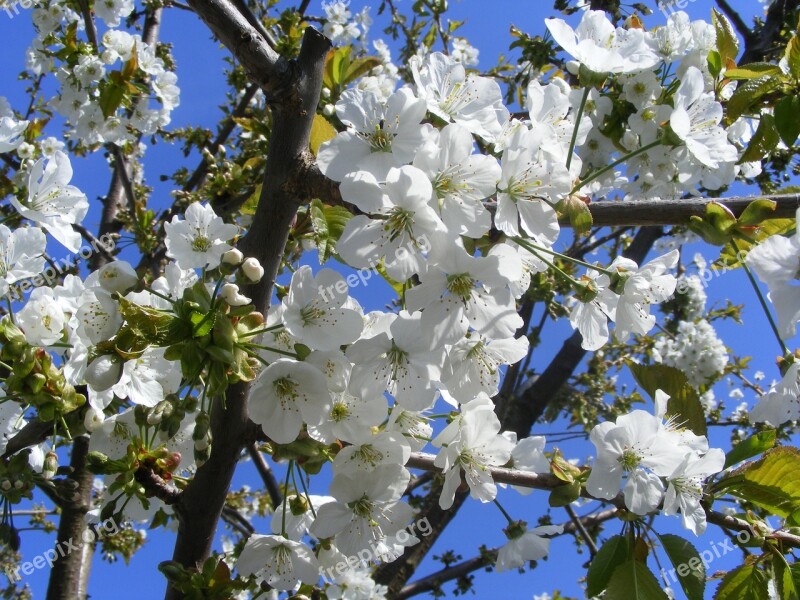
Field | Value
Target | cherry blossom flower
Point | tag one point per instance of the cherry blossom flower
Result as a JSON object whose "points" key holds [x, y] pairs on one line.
{"points": [[199, 240], [314, 310], [460, 178], [459, 291], [285, 395], [601, 47], [21, 255], [382, 134], [685, 489], [469, 100], [280, 562], [402, 227], [11, 133], [402, 362], [52, 202], [476, 446], [367, 509], [696, 119], [525, 545]]}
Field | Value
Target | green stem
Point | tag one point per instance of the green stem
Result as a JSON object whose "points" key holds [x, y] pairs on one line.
{"points": [[289, 471], [762, 300], [260, 331], [160, 295], [276, 350], [587, 90], [305, 489], [572, 281], [529, 246], [505, 513], [613, 165]]}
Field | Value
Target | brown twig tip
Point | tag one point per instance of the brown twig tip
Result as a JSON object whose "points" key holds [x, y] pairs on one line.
{"points": [[157, 486]]}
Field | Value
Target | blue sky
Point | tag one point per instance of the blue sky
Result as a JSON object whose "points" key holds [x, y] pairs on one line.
{"points": [[202, 91]]}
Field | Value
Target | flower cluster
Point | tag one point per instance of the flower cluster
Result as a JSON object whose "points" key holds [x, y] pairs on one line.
{"points": [[647, 452], [458, 206]]}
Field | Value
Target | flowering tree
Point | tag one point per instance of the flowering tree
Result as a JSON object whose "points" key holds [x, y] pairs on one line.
{"points": [[223, 344]]}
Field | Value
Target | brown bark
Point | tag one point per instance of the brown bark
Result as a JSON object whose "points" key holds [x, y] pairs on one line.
{"points": [[293, 90]]}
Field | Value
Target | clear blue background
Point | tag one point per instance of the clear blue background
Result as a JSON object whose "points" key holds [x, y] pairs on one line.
{"points": [[200, 71]]}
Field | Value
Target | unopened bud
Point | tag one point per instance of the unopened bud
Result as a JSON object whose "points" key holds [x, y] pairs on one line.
{"points": [[253, 270], [233, 257], [50, 465], [230, 293]]}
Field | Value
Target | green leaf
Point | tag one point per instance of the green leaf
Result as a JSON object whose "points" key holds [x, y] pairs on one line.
{"points": [[131, 66], [610, 555], [251, 204], [714, 63], [753, 70], [757, 211], [764, 141], [112, 93], [566, 494], [752, 446], [689, 567], [748, 95], [632, 580], [793, 56], [359, 67], [770, 483], [786, 119], [748, 582], [684, 402], [716, 225], [730, 258], [785, 583], [727, 40], [329, 223], [202, 324], [321, 131]]}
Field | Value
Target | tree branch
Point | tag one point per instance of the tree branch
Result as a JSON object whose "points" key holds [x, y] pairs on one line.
{"points": [[267, 476], [263, 65], [605, 213], [293, 112], [435, 580], [69, 575]]}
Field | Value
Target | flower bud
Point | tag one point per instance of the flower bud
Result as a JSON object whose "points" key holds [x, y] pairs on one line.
{"points": [[230, 293], [50, 465], [253, 270], [232, 257], [328, 110]]}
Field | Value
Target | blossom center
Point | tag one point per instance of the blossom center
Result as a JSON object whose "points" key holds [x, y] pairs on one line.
{"points": [[461, 285], [339, 412], [629, 459], [201, 244]]}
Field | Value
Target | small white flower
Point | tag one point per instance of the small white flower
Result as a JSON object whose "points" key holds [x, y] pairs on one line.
{"points": [[280, 562], [200, 240], [52, 202]]}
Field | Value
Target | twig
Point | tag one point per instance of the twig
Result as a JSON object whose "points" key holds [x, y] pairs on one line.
{"points": [[582, 530], [486, 558], [268, 477]]}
